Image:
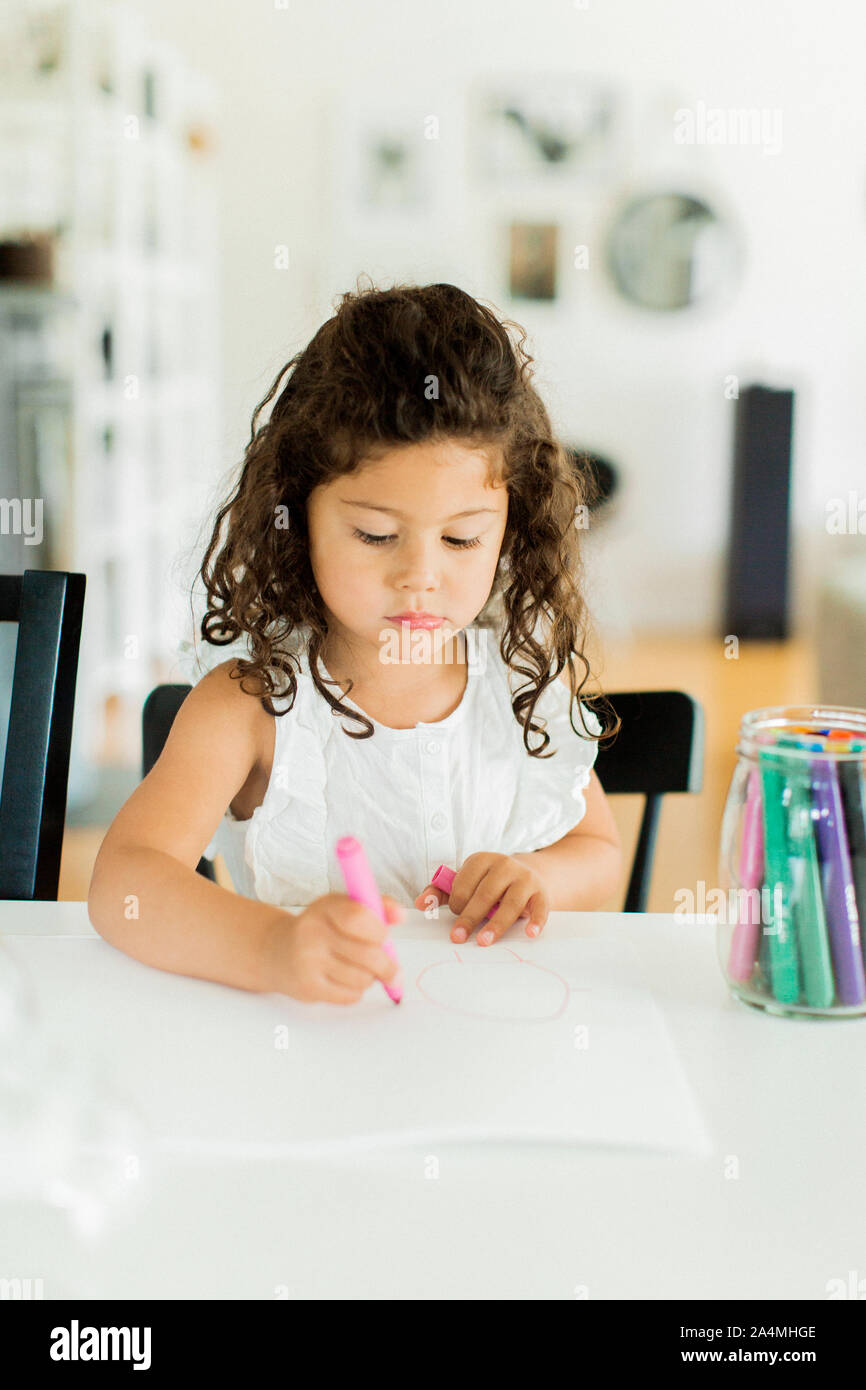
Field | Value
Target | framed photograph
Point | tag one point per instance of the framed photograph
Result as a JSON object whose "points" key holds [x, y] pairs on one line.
{"points": [[391, 170], [386, 162], [532, 260], [554, 126]]}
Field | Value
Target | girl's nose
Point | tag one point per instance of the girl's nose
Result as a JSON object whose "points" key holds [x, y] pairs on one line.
{"points": [[416, 568]]}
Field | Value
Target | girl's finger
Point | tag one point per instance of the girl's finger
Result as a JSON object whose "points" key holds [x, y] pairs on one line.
{"points": [[537, 914], [511, 909], [361, 968], [348, 974], [332, 993], [432, 897], [394, 911], [487, 897]]}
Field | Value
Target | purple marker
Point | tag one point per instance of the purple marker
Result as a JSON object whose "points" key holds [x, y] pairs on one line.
{"points": [[840, 904]]}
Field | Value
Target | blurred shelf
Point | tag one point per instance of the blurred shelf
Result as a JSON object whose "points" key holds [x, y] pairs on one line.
{"points": [[104, 141]]}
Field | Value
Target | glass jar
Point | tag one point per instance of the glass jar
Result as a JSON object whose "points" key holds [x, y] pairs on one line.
{"points": [[792, 862]]}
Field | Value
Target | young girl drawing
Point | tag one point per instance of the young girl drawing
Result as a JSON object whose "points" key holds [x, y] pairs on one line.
{"points": [[396, 577]]}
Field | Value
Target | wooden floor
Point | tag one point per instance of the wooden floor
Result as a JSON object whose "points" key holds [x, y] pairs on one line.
{"points": [[763, 673]]}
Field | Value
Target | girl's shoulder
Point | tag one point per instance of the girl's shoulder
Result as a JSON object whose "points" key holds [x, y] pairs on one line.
{"points": [[194, 659]]}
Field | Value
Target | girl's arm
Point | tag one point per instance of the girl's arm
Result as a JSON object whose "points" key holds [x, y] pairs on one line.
{"points": [[585, 868], [145, 896]]}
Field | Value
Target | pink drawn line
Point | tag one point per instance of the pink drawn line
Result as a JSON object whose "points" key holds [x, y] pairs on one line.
{"points": [[575, 989], [469, 1013]]}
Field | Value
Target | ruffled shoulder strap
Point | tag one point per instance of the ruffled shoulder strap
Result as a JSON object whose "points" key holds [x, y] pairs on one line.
{"points": [[553, 704], [294, 811], [551, 800]]}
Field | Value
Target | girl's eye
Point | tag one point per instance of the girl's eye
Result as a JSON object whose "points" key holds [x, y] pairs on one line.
{"points": [[380, 540]]}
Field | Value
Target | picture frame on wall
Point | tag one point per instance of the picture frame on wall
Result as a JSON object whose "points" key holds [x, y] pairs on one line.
{"points": [[390, 171], [387, 162], [532, 260], [550, 126]]}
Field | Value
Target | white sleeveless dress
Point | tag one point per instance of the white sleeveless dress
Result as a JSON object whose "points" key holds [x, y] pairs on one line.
{"points": [[415, 798]]}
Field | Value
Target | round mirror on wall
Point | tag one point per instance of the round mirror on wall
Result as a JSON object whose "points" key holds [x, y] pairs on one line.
{"points": [[670, 250]]}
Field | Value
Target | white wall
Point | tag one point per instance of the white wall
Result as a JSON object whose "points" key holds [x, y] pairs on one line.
{"points": [[645, 389]]}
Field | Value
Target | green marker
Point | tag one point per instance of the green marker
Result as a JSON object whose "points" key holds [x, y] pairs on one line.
{"points": [[764, 963], [781, 945], [807, 901]]}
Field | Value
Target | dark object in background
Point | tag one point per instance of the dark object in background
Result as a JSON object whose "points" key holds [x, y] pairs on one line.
{"points": [[30, 260], [107, 347], [659, 749], [48, 608], [601, 477], [757, 582]]}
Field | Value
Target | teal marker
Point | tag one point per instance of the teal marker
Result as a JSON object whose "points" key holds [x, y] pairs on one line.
{"points": [[781, 943], [766, 981], [807, 902]]}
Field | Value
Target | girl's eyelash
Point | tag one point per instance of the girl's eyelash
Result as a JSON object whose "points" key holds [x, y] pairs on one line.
{"points": [[380, 540]]}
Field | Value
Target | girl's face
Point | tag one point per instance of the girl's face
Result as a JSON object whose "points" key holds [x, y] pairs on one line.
{"points": [[418, 529]]}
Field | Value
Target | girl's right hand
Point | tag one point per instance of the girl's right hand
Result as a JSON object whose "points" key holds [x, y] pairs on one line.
{"points": [[332, 951]]}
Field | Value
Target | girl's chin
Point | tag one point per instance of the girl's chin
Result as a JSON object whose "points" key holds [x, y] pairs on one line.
{"points": [[422, 642]]}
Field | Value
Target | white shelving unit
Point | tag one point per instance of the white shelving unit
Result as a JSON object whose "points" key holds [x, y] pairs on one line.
{"points": [[106, 139]]}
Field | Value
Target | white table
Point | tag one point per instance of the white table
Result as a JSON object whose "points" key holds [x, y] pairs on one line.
{"points": [[783, 1101]]}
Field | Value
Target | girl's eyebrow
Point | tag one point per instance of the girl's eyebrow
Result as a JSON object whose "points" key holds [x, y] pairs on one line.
{"points": [[392, 511]]}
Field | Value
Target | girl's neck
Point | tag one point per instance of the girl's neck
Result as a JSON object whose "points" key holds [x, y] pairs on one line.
{"points": [[403, 684]]}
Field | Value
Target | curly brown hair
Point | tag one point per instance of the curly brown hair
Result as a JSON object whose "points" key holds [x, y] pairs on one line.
{"points": [[360, 386]]}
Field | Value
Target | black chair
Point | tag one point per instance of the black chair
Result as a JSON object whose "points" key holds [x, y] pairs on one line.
{"points": [[48, 606], [157, 717], [659, 749]]}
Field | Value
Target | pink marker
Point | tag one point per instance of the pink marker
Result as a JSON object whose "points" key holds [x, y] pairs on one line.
{"points": [[361, 885], [444, 878], [744, 942]]}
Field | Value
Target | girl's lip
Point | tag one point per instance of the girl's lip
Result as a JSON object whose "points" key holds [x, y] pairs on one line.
{"points": [[416, 619]]}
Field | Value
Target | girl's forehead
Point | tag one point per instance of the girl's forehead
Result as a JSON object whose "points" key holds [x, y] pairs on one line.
{"points": [[406, 477], [442, 454]]}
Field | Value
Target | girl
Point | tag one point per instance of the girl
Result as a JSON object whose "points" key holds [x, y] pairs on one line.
{"points": [[399, 550]]}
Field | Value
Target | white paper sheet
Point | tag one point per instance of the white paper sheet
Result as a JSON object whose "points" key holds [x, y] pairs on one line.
{"points": [[551, 1041]]}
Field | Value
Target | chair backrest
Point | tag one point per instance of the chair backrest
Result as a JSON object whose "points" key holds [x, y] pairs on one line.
{"points": [[659, 749], [157, 717], [48, 606]]}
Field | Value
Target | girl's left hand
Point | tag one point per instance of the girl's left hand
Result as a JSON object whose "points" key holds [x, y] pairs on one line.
{"points": [[484, 879]]}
